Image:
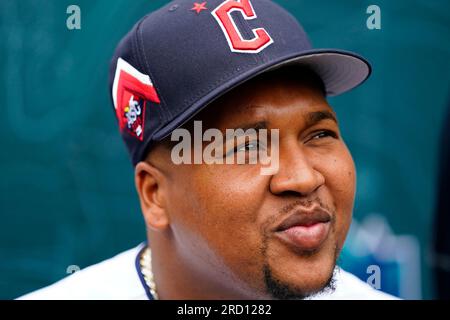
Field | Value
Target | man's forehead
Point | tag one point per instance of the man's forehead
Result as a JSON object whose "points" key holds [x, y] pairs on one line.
{"points": [[262, 115], [309, 119], [230, 114]]}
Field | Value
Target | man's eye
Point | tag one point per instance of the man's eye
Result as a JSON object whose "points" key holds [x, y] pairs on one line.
{"points": [[250, 146], [245, 147], [324, 134]]}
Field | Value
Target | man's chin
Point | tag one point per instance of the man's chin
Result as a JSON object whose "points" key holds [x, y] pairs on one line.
{"points": [[289, 275], [287, 288]]}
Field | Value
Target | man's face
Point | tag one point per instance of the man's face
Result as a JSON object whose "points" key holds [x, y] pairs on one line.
{"points": [[267, 235]]}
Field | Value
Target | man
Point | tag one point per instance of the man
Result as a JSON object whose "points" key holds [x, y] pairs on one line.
{"points": [[221, 229]]}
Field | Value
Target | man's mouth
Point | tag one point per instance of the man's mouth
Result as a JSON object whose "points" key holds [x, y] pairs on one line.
{"points": [[306, 229]]}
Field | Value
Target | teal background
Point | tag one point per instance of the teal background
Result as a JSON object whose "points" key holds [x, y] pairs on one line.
{"points": [[66, 184]]}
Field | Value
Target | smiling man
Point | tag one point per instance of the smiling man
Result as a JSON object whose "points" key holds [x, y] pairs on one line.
{"points": [[236, 233], [224, 230]]}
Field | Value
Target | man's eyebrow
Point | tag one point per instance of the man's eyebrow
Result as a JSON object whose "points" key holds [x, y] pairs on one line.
{"points": [[246, 126], [313, 118], [254, 125]]}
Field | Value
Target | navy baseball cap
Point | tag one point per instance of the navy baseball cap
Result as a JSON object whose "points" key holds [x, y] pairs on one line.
{"points": [[178, 59]]}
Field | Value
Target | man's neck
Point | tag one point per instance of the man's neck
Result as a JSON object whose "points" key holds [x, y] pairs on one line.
{"points": [[176, 279]]}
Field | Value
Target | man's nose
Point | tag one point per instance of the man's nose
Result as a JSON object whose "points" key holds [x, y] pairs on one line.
{"points": [[296, 172]]}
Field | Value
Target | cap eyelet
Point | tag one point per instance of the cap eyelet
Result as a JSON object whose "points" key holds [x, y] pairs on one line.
{"points": [[173, 8]]}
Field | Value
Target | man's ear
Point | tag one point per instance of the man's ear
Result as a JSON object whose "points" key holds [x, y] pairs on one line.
{"points": [[150, 187]]}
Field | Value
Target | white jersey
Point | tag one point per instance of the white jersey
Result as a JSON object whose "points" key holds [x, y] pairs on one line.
{"points": [[119, 278]]}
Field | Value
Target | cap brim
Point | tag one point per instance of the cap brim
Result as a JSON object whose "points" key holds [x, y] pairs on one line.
{"points": [[339, 70]]}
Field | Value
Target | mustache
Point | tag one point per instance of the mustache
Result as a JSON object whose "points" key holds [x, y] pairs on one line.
{"points": [[306, 204], [302, 212]]}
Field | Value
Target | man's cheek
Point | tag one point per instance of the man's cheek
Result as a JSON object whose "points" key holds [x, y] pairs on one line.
{"points": [[341, 186], [341, 174], [344, 187], [230, 217], [235, 240]]}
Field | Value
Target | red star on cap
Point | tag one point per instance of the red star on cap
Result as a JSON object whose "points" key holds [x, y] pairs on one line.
{"points": [[198, 7]]}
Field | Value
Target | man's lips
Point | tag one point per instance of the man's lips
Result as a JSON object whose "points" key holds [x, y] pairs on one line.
{"points": [[305, 229]]}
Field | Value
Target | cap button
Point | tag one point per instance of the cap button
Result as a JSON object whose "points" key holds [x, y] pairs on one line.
{"points": [[173, 8]]}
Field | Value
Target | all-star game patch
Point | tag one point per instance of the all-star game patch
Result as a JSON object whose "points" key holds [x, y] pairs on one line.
{"points": [[133, 114], [131, 91]]}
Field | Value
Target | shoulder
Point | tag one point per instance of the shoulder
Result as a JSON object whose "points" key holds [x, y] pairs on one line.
{"points": [[116, 278], [350, 287]]}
